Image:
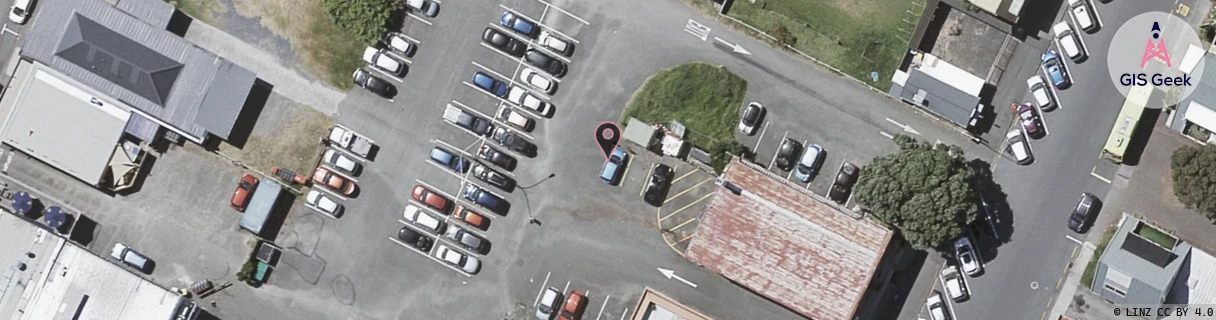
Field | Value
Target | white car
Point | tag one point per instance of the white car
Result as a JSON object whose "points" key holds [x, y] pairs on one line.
{"points": [[1081, 14], [379, 59], [516, 120], [750, 119], [557, 44], [20, 11], [325, 204], [937, 307], [130, 257], [955, 284], [1041, 93], [548, 303], [340, 161], [1019, 147], [415, 215], [398, 42], [1068, 41], [463, 261], [426, 7], [537, 81], [521, 97], [968, 257]]}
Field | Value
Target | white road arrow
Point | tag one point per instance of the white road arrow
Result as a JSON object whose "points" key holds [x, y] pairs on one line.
{"points": [[738, 48], [907, 128], [672, 274]]}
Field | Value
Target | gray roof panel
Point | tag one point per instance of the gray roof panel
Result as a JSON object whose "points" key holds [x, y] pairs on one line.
{"points": [[155, 12], [941, 98], [1150, 282]]}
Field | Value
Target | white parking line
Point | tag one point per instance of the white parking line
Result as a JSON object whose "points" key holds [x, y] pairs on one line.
{"points": [[597, 315], [532, 44], [499, 75], [495, 121], [1073, 239], [399, 56], [433, 189], [310, 206], [340, 173], [543, 285], [565, 12], [382, 72], [538, 23], [762, 131], [567, 288], [325, 189], [407, 37], [626, 312], [771, 162], [418, 18]]}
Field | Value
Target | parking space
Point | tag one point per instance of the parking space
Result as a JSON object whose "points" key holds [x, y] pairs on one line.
{"points": [[687, 196], [600, 302]]}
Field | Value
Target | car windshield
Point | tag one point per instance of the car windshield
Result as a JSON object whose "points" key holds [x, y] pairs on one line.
{"points": [[750, 115], [18, 11], [965, 257]]}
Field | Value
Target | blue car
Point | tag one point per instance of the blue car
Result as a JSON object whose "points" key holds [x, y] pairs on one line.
{"points": [[489, 84], [449, 160], [611, 174], [519, 25], [483, 198], [1055, 70]]}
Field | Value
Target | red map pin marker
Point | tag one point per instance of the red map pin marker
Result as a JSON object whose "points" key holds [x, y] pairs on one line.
{"points": [[607, 135]]}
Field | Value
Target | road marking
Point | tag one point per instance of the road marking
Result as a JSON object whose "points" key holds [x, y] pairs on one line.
{"points": [[433, 189], [552, 29], [407, 37], [771, 162], [567, 288], [1034, 285], [325, 189], [543, 285], [441, 262], [7, 30], [689, 236], [690, 172], [697, 29], [494, 120], [565, 12], [418, 18], [500, 76], [687, 190], [624, 313], [829, 191], [399, 56], [382, 72], [762, 131], [1094, 172], [597, 315], [628, 164], [888, 135], [1183, 9], [648, 174], [707, 195], [1073, 239]]}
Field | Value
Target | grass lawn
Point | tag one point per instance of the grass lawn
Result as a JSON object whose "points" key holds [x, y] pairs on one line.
{"points": [[705, 98], [856, 36], [1156, 236], [1087, 278], [322, 49], [294, 147]]}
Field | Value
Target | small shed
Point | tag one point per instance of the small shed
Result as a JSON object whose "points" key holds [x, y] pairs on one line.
{"points": [[640, 133], [260, 207]]}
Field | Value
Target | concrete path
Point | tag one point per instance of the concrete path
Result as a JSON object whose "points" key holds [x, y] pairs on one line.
{"points": [[287, 81]]}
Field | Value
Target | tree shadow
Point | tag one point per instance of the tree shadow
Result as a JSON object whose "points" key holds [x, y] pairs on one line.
{"points": [[994, 221]]}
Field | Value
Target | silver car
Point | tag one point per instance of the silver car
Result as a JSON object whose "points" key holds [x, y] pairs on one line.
{"points": [[812, 156]]}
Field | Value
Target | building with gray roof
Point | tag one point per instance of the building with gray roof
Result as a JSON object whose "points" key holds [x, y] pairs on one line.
{"points": [[1139, 265]]}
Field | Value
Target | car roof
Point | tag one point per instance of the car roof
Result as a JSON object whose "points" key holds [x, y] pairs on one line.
{"points": [[810, 154], [441, 155], [482, 79]]}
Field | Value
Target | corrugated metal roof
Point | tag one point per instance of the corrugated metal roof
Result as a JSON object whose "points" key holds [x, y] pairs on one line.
{"points": [[200, 69], [1196, 283], [1150, 282], [941, 98], [793, 248], [155, 12], [93, 288]]}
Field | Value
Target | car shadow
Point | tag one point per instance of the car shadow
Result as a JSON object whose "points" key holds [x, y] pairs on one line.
{"points": [[994, 219]]}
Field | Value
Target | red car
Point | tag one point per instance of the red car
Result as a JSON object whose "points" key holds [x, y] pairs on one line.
{"points": [[1029, 119], [323, 176], [431, 199], [244, 191], [573, 309]]}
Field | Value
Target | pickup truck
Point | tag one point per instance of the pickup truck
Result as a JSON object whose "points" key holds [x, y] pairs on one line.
{"points": [[351, 141], [478, 125]]}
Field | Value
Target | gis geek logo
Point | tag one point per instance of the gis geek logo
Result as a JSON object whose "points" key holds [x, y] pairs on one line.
{"points": [[1159, 50]]}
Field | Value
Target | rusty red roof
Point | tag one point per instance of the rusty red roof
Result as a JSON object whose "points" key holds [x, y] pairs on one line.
{"points": [[789, 245]]}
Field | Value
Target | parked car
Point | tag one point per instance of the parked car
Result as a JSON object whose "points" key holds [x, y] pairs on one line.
{"points": [[611, 173], [323, 176], [519, 24], [449, 160], [573, 309], [415, 215], [457, 259], [521, 97], [1079, 219], [467, 120], [556, 44], [1082, 15], [809, 162], [489, 84], [503, 42], [20, 11], [413, 238], [843, 186], [1068, 41], [323, 203], [547, 305], [512, 141], [1040, 92], [130, 257], [426, 7], [537, 81], [786, 153], [341, 162], [496, 157], [750, 118], [483, 198], [656, 188], [955, 284], [380, 59], [515, 119], [398, 42], [1019, 147], [366, 80], [468, 216], [432, 199], [243, 193], [937, 307], [492, 177], [466, 239], [1055, 70], [545, 62], [968, 257], [1029, 119]]}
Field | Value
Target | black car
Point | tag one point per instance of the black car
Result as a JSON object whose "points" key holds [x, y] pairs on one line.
{"points": [[496, 157], [1079, 219], [413, 238], [503, 42], [513, 141], [788, 153], [656, 188], [366, 80], [844, 183], [545, 62], [492, 177]]}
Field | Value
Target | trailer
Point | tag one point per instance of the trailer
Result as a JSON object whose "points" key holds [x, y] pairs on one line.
{"points": [[350, 140], [261, 206]]}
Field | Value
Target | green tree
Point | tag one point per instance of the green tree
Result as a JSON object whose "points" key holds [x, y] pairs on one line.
{"points": [[1194, 173], [363, 19], [925, 191]]}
